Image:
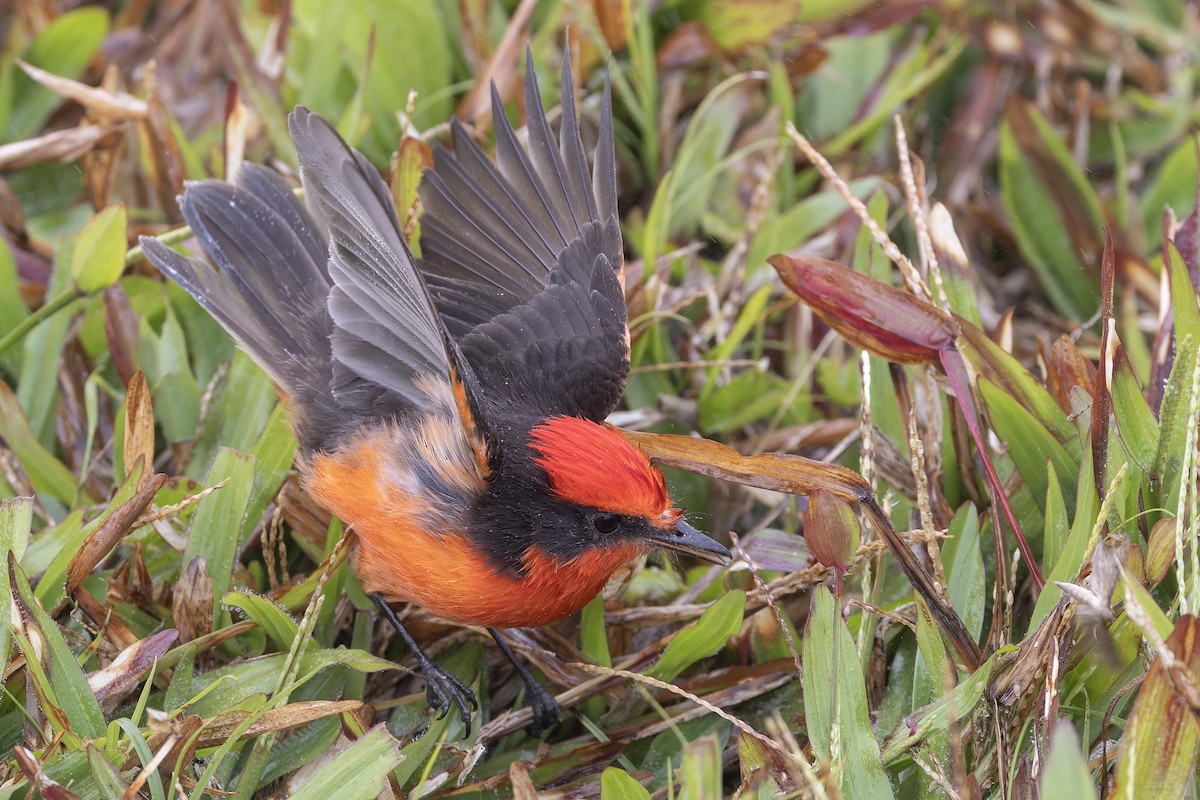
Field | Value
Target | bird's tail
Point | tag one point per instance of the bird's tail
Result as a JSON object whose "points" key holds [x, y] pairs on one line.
{"points": [[273, 285]]}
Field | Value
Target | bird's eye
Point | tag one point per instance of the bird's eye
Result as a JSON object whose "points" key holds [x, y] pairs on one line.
{"points": [[607, 523]]}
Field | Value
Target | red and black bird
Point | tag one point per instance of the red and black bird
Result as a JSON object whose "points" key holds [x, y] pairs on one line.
{"points": [[449, 408]]}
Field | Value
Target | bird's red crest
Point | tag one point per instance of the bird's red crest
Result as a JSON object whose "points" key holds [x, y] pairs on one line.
{"points": [[592, 464]]}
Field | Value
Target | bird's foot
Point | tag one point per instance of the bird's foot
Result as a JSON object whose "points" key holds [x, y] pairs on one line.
{"points": [[443, 690], [544, 707]]}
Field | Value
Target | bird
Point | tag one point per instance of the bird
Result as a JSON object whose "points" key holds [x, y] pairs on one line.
{"points": [[449, 408]]}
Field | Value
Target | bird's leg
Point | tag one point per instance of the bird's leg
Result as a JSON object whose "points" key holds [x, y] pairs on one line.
{"points": [[541, 702], [442, 688]]}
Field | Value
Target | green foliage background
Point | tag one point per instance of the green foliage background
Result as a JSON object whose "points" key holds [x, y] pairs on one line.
{"points": [[203, 632]]}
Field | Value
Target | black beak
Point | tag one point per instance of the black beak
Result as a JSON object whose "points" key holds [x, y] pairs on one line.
{"points": [[686, 539]]}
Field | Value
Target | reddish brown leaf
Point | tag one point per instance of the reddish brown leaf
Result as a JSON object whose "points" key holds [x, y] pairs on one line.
{"points": [[121, 330], [193, 601], [1158, 749], [105, 537], [139, 427], [779, 472], [870, 314], [1068, 368], [1102, 393], [831, 530]]}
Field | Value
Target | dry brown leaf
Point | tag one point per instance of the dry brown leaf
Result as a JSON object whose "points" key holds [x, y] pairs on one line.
{"points": [[218, 730], [1158, 748], [65, 146], [104, 104], [113, 683], [501, 69], [193, 606], [105, 537], [779, 472], [139, 427]]}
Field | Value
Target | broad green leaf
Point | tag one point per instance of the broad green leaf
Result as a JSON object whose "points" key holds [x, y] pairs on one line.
{"points": [[329, 43], [106, 776], [1057, 525], [51, 585], [1070, 558], [1149, 606], [12, 305], [1029, 444], [702, 638], [208, 344], [1183, 296], [273, 455], [301, 746], [1066, 773], [1173, 421], [936, 718], [239, 410], [1054, 213], [226, 686], [16, 517], [593, 642], [277, 623], [16, 520], [1135, 423], [963, 559], [99, 256], [735, 24], [1006, 371], [617, 784], [64, 47], [67, 683], [46, 473], [700, 772], [1173, 187], [357, 773], [37, 384], [802, 221], [835, 694], [218, 520]]}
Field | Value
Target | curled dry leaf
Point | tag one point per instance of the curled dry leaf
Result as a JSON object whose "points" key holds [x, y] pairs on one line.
{"points": [[118, 679], [65, 146], [31, 768], [105, 537], [139, 427], [103, 104], [218, 729], [779, 472], [1068, 368], [875, 316], [193, 606]]}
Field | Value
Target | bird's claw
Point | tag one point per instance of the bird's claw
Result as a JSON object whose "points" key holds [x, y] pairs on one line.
{"points": [[544, 707], [443, 690]]}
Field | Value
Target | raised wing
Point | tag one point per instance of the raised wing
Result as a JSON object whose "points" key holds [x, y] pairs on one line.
{"points": [[524, 260], [337, 314]]}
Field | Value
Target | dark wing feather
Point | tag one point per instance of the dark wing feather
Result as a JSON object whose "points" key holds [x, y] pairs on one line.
{"points": [[272, 274], [332, 307], [524, 261], [386, 336]]}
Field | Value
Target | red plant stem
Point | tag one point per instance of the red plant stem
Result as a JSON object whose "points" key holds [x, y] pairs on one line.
{"points": [[960, 381]]}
